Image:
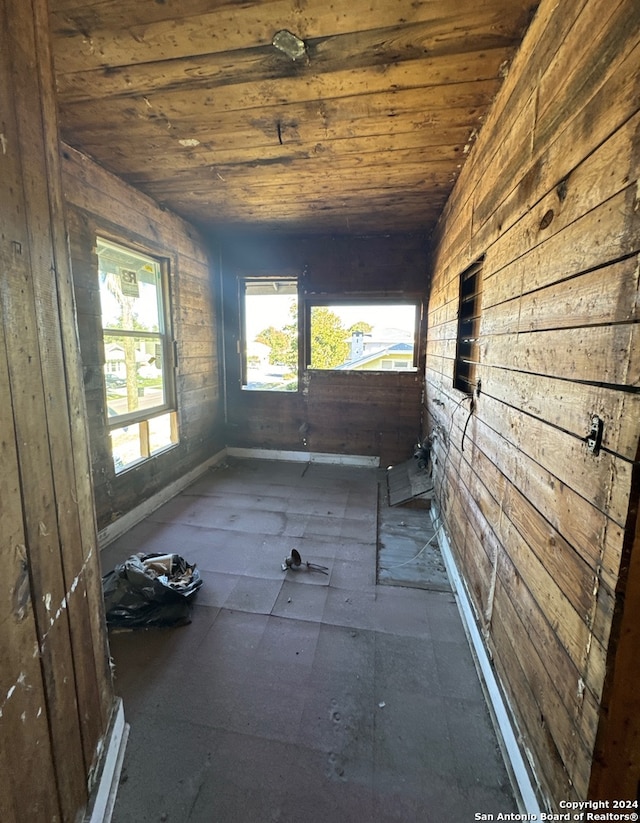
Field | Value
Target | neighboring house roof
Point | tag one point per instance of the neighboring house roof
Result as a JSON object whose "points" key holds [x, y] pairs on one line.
{"points": [[394, 348]]}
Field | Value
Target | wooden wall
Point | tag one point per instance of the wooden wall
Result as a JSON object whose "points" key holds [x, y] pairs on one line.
{"points": [[539, 526], [56, 697], [350, 413], [99, 203]]}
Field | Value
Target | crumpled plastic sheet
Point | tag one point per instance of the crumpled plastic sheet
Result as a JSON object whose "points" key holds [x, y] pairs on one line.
{"points": [[150, 590]]}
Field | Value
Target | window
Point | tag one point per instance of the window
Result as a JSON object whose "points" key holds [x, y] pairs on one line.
{"points": [[358, 336], [138, 354], [270, 334], [467, 352]]}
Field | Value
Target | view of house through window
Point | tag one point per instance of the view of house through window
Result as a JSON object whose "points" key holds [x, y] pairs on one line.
{"points": [[350, 336], [137, 353], [270, 308], [362, 336]]}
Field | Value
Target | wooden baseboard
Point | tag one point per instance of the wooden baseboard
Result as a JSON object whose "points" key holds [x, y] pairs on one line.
{"points": [[104, 795], [519, 772], [305, 457], [129, 520]]}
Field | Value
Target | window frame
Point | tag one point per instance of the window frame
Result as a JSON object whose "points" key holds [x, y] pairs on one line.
{"points": [[243, 341], [467, 358], [363, 300], [141, 417]]}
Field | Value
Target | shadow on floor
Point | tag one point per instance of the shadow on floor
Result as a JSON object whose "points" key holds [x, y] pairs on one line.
{"points": [[298, 697]]}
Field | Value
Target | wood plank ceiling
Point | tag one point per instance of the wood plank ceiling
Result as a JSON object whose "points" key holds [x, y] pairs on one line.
{"points": [[365, 132]]}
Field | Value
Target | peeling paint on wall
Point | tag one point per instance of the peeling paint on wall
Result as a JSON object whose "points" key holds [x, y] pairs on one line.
{"points": [[63, 603], [21, 590], [19, 682]]}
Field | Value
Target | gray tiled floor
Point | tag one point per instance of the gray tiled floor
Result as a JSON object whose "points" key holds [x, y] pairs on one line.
{"points": [[295, 697]]}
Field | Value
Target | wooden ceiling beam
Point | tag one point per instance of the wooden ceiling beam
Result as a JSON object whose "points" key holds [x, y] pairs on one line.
{"points": [[321, 218], [478, 70], [370, 164], [84, 41], [265, 187], [166, 154], [189, 101], [182, 111], [418, 51], [235, 212], [236, 130]]}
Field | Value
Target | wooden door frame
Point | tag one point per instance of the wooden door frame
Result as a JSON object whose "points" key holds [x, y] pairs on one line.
{"points": [[615, 773]]}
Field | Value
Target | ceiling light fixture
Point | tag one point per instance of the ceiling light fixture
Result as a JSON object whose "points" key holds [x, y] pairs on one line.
{"points": [[291, 45]]}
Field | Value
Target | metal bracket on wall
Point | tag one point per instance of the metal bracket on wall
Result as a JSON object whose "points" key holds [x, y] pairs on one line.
{"points": [[594, 438]]}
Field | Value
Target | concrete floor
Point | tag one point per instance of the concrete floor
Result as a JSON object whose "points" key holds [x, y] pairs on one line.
{"points": [[295, 697]]}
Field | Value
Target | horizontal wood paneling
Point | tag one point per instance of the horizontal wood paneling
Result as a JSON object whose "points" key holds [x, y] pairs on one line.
{"points": [[98, 203], [549, 196], [535, 650]]}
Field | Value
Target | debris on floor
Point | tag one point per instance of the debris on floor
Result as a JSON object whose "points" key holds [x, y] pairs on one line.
{"points": [[410, 480], [269, 710], [294, 561], [408, 548], [150, 590]]}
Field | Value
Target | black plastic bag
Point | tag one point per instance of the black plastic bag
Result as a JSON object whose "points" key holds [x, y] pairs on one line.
{"points": [[150, 590]]}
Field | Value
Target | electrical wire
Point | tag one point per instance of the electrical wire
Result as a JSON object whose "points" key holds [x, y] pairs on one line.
{"points": [[448, 447], [441, 526], [455, 409], [406, 562], [464, 431]]}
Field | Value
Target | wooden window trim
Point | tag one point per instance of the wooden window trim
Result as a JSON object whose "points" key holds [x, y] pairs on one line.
{"points": [[164, 334], [250, 283], [468, 335]]}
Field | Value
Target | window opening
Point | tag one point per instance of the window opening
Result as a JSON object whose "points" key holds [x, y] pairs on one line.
{"points": [[270, 334], [469, 311], [138, 367], [358, 336]]}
